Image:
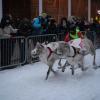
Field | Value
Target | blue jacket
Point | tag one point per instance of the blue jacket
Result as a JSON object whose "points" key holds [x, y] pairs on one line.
{"points": [[36, 23]]}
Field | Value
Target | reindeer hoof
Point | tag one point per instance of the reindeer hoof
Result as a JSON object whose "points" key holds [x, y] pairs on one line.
{"points": [[84, 69], [63, 70], [96, 67], [46, 78], [60, 67], [72, 69]]}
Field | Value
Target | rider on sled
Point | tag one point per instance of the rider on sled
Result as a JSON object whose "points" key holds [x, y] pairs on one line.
{"points": [[75, 39], [74, 35]]}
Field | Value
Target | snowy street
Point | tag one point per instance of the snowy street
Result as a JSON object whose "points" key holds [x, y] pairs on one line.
{"points": [[28, 83]]}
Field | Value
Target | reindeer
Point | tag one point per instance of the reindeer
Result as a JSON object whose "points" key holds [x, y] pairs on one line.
{"points": [[57, 50]]}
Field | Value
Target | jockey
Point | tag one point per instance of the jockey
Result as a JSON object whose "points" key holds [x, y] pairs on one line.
{"points": [[75, 39], [73, 35]]}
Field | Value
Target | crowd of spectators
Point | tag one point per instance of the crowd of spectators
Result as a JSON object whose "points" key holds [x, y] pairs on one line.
{"points": [[40, 25], [44, 24]]}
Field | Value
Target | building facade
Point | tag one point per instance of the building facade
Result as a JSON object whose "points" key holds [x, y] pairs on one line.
{"points": [[55, 8]]}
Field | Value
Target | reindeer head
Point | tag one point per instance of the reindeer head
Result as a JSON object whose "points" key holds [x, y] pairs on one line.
{"points": [[37, 50]]}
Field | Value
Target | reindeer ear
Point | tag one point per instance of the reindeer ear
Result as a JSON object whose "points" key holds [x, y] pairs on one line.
{"points": [[43, 43], [38, 43], [46, 42]]}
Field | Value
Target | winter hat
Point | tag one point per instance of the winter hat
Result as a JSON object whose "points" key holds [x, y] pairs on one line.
{"points": [[43, 14]]}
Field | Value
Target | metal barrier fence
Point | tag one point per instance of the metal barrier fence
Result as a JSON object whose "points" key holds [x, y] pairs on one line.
{"points": [[12, 51], [17, 50], [61, 36], [32, 40], [92, 36]]}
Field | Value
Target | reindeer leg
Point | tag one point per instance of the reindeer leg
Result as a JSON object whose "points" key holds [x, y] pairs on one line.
{"points": [[94, 61], [72, 69], [94, 64], [81, 64], [64, 67], [48, 72], [82, 67], [59, 63]]}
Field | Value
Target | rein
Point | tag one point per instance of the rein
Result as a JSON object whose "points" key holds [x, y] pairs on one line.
{"points": [[75, 52], [50, 52]]}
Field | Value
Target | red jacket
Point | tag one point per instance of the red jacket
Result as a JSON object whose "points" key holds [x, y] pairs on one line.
{"points": [[67, 37]]}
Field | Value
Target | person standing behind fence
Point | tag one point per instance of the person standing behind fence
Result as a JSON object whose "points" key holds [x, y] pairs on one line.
{"points": [[63, 26], [36, 24], [7, 45], [45, 19], [40, 24], [52, 28], [25, 30]]}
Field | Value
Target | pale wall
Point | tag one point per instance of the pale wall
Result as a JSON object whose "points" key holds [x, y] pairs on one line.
{"points": [[0, 9]]}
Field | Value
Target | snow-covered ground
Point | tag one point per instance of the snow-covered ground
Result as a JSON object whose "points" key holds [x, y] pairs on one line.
{"points": [[28, 83]]}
